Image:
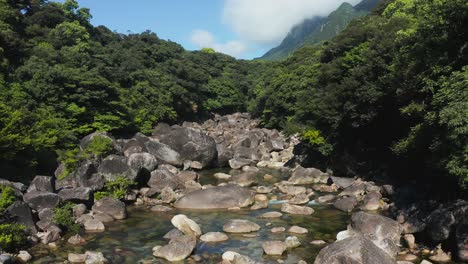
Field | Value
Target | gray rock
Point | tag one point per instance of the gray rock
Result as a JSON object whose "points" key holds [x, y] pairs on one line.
{"points": [[23, 215], [43, 184], [38, 200], [113, 166], [296, 209], [79, 210], [356, 189], [221, 197], [308, 176], [237, 163], [77, 195], [346, 204], [94, 225], [224, 155], [93, 257], [240, 226], [383, 231], [214, 237], [138, 161], [85, 176], [353, 250], [342, 182], [112, 207], [162, 178], [164, 153], [178, 249], [186, 225]]}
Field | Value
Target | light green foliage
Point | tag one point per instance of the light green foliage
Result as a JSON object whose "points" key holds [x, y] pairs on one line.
{"points": [[314, 138], [117, 188], [99, 146], [13, 237], [7, 197], [63, 216], [208, 50]]}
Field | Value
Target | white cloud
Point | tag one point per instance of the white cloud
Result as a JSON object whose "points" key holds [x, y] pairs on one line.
{"points": [[205, 39], [267, 22]]}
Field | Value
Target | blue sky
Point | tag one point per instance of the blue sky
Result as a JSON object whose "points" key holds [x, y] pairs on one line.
{"points": [[241, 28]]}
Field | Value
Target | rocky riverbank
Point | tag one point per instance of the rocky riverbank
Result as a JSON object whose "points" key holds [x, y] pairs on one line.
{"points": [[166, 168]]}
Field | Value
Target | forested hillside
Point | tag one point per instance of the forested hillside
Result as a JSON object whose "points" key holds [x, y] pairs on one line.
{"points": [[317, 29], [386, 97]]}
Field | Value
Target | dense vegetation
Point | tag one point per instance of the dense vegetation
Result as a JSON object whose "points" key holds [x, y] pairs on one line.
{"points": [[386, 97]]}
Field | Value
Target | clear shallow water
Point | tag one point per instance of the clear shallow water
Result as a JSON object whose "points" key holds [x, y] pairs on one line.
{"points": [[132, 240]]}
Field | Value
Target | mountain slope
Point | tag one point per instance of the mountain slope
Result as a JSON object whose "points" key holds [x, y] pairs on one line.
{"points": [[318, 29]]}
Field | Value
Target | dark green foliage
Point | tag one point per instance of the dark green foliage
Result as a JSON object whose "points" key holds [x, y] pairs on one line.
{"points": [[13, 237], [63, 217], [7, 197], [117, 188]]}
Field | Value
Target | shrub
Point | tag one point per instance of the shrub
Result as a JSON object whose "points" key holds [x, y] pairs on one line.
{"points": [[98, 147], [63, 216], [117, 188], [314, 138], [7, 197], [13, 237]]}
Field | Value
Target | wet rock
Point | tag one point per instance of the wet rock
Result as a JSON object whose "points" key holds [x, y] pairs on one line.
{"points": [[292, 242], [274, 247], [220, 197], [77, 195], [301, 198], [112, 207], [292, 190], [307, 176], [38, 200], [237, 163], [21, 212], [187, 176], [298, 230], [214, 237], [93, 257], [76, 258], [383, 231], [240, 226], [42, 184], [162, 178], [114, 166], [143, 160], [222, 176], [76, 240], [440, 256], [325, 188], [94, 225], [356, 250], [296, 209], [160, 208], [173, 234], [178, 248], [164, 153], [271, 215], [186, 225], [326, 198], [356, 189], [346, 204], [278, 229], [244, 179]]}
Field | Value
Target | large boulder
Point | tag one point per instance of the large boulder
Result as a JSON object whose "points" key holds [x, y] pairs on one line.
{"points": [[221, 197], [114, 166], [112, 207], [178, 249], [77, 195], [21, 212], [191, 143], [84, 176], [164, 153], [162, 178], [224, 155], [383, 231], [308, 176], [353, 250], [38, 200], [346, 204], [42, 183], [143, 160]]}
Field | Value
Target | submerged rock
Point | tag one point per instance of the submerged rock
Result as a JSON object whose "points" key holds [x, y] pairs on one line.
{"points": [[178, 249], [296, 209], [220, 197], [214, 237], [240, 226], [274, 247]]}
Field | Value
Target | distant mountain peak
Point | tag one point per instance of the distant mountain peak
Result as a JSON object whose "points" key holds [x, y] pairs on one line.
{"points": [[317, 29]]}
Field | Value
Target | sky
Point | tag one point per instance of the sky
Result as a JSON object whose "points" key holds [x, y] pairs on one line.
{"points": [[244, 29]]}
